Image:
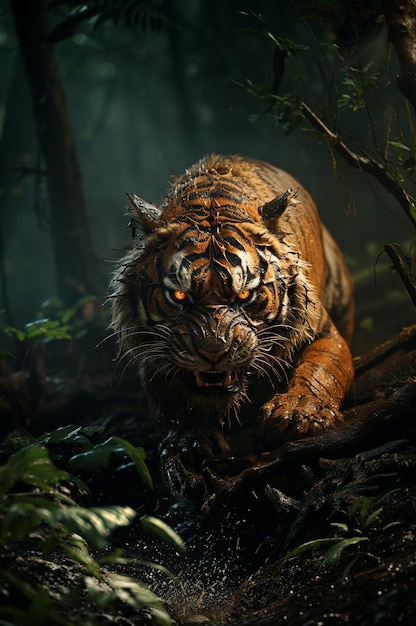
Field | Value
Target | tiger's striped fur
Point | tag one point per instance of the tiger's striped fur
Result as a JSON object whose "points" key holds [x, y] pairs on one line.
{"points": [[231, 281]]}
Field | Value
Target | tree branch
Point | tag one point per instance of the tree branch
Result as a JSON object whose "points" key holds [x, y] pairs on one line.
{"points": [[365, 164], [401, 265]]}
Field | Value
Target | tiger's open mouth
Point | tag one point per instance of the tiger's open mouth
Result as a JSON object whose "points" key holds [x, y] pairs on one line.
{"points": [[213, 378], [213, 381]]}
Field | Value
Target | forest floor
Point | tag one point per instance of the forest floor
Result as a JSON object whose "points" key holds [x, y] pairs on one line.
{"points": [[352, 496]]}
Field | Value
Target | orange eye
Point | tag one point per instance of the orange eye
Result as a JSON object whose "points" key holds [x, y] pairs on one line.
{"points": [[179, 295], [244, 294]]}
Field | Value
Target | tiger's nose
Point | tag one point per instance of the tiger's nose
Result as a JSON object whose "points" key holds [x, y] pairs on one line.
{"points": [[213, 357]]}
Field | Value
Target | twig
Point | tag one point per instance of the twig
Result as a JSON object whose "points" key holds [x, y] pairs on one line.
{"points": [[366, 164], [401, 266]]}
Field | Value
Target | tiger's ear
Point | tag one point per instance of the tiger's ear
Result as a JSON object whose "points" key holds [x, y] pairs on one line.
{"points": [[144, 216], [275, 207]]}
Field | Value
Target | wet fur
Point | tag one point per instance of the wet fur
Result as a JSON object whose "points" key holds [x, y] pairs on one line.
{"points": [[229, 226]]}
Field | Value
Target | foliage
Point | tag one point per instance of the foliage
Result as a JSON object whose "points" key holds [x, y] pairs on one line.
{"points": [[355, 83], [361, 516], [95, 13], [130, 592], [344, 86], [332, 88], [37, 501], [98, 456], [60, 323], [45, 328]]}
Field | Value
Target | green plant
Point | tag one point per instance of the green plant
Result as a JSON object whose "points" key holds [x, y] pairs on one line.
{"points": [[355, 84], [54, 323], [37, 501], [361, 517]]}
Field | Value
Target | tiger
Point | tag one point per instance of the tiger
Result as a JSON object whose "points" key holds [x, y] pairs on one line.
{"points": [[234, 299]]}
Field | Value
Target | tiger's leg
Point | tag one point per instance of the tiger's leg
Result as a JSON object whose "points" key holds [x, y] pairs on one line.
{"points": [[193, 447], [316, 390], [181, 457], [192, 438], [338, 296]]}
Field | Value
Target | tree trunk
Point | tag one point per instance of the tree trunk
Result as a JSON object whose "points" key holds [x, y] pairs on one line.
{"points": [[401, 22], [184, 100], [74, 258], [16, 139]]}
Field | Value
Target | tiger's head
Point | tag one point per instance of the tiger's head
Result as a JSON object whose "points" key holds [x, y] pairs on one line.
{"points": [[206, 298]]}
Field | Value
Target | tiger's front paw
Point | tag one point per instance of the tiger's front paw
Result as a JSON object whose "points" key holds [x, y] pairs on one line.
{"points": [[194, 447], [290, 416], [181, 458]]}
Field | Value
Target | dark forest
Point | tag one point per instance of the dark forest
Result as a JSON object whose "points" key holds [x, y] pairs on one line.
{"points": [[103, 99]]}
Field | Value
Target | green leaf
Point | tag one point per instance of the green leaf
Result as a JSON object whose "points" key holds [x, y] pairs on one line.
{"points": [[31, 466], [138, 456], [69, 434], [95, 524], [138, 596], [51, 329], [18, 521], [6, 354], [340, 525], [161, 616], [77, 549], [333, 554], [117, 558], [399, 145], [373, 516], [98, 457], [129, 591], [309, 545], [366, 504], [100, 595], [157, 527], [390, 524], [11, 332]]}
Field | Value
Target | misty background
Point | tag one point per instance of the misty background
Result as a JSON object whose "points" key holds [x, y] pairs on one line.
{"points": [[147, 101]]}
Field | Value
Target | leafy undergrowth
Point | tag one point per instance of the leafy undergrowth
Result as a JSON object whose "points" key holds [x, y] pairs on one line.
{"points": [[361, 518], [77, 507], [43, 520]]}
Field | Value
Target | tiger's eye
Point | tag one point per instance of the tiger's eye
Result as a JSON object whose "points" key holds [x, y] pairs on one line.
{"points": [[179, 295], [244, 294]]}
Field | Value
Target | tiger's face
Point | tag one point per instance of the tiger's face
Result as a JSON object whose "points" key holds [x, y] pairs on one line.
{"points": [[202, 301]]}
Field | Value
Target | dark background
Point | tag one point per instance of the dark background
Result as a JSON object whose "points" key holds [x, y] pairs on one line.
{"points": [[147, 102]]}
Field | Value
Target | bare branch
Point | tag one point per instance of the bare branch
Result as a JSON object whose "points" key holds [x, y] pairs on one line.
{"points": [[364, 163], [401, 265]]}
